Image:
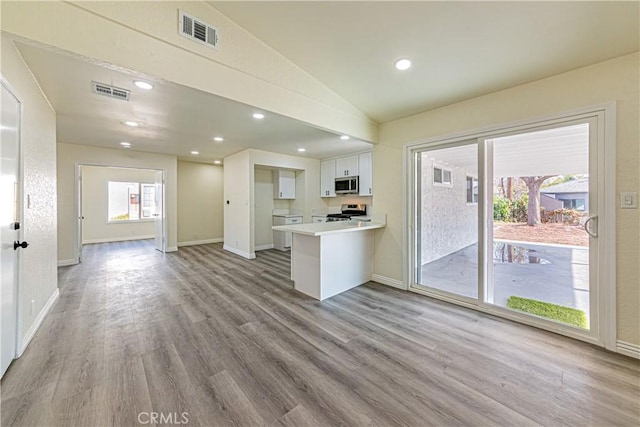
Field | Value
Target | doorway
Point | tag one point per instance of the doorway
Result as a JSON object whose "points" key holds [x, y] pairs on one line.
{"points": [[10, 223], [117, 204], [511, 222]]}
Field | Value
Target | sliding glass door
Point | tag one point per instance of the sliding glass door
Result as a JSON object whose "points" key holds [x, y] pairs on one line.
{"points": [[509, 223]]}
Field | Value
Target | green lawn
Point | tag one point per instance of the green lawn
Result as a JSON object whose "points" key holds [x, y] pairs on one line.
{"points": [[568, 315]]}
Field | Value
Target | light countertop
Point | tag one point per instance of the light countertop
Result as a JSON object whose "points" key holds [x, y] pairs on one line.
{"points": [[322, 228], [288, 215]]}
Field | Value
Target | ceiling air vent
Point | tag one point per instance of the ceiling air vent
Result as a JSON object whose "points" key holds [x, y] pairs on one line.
{"points": [[110, 91], [195, 29]]}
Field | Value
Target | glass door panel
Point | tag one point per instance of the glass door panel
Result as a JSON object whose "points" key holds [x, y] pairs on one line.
{"points": [[542, 199], [446, 215]]}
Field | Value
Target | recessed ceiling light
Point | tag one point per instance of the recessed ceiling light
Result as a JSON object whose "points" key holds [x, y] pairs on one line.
{"points": [[143, 85], [258, 116], [344, 137], [302, 150], [125, 144], [402, 64], [217, 162], [218, 138], [195, 153], [131, 123]]}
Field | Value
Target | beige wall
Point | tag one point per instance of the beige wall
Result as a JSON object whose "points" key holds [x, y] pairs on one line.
{"points": [[143, 36], [264, 205], [71, 155], [200, 208], [239, 190], [95, 226], [615, 80], [39, 280]]}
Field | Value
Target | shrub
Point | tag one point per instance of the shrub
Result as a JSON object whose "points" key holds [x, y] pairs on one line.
{"points": [[501, 209]]}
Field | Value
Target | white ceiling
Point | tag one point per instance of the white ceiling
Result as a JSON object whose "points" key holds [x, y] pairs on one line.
{"points": [[174, 119], [459, 49]]}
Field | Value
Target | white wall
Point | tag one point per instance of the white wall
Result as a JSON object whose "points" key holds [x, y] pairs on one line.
{"points": [[238, 180], [96, 226], [200, 204], [71, 155], [264, 204], [239, 188], [448, 222], [39, 281], [616, 80]]}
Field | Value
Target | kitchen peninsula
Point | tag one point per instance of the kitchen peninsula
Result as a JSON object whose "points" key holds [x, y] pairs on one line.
{"points": [[332, 257]]}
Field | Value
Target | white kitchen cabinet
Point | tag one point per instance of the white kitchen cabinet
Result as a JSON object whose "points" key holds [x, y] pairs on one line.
{"points": [[328, 178], [282, 239], [365, 168], [347, 166], [284, 184]]}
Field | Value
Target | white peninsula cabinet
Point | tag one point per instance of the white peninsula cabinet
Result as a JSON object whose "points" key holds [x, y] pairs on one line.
{"points": [[365, 170], [284, 184], [328, 178]]}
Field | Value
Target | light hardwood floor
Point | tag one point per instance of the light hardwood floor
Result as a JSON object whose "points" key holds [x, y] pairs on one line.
{"points": [[229, 342]]}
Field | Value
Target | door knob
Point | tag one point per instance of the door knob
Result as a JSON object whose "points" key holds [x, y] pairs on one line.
{"points": [[17, 245]]}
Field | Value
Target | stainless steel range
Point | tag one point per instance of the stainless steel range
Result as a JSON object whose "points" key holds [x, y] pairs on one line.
{"points": [[348, 212]]}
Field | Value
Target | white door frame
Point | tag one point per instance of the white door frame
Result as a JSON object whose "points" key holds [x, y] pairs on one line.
{"points": [[78, 201], [605, 114], [18, 282]]}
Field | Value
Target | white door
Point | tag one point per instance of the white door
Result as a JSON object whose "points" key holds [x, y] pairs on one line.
{"points": [[159, 211], [9, 221], [80, 216]]}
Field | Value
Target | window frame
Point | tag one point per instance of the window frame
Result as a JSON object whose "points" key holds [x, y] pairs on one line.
{"points": [[442, 175], [140, 204], [466, 190]]}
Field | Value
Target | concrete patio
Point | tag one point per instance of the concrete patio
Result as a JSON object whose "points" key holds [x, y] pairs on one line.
{"points": [[552, 273]]}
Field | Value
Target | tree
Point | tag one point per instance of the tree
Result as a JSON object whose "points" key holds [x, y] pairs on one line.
{"points": [[533, 207]]}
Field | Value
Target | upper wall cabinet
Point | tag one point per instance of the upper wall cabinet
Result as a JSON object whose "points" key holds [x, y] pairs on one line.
{"points": [[358, 165], [365, 167], [284, 184], [347, 166], [328, 178]]}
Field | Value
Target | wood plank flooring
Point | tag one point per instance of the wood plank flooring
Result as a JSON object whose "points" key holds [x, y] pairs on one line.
{"points": [[229, 342]]}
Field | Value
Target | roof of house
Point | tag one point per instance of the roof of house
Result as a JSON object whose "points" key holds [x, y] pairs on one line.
{"points": [[574, 186]]}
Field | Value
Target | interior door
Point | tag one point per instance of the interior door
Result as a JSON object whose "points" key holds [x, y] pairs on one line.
{"points": [[80, 215], [159, 211], [9, 221]]}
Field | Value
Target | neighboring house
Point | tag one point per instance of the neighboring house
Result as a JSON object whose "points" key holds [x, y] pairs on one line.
{"points": [[574, 194]]}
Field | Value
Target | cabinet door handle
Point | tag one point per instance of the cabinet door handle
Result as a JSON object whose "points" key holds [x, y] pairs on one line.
{"points": [[281, 194], [369, 191]]}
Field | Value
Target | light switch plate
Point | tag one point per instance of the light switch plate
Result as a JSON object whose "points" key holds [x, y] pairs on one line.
{"points": [[629, 200]]}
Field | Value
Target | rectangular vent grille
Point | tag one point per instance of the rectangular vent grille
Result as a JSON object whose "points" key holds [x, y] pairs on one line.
{"points": [[195, 29], [110, 91]]}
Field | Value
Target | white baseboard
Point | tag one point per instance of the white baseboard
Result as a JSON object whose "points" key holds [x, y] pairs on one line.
{"points": [[243, 254], [264, 247], [388, 281], [628, 349], [171, 249], [200, 242], [38, 321], [65, 262], [116, 239]]}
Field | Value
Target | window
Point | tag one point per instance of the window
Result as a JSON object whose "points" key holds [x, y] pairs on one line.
{"points": [[472, 190], [577, 204], [441, 176], [131, 201]]}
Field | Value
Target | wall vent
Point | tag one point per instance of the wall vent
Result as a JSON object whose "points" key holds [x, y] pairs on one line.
{"points": [[110, 91], [194, 29]]}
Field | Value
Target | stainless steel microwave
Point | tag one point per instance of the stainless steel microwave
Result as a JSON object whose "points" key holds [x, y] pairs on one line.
{"points": [[347, 185]]}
